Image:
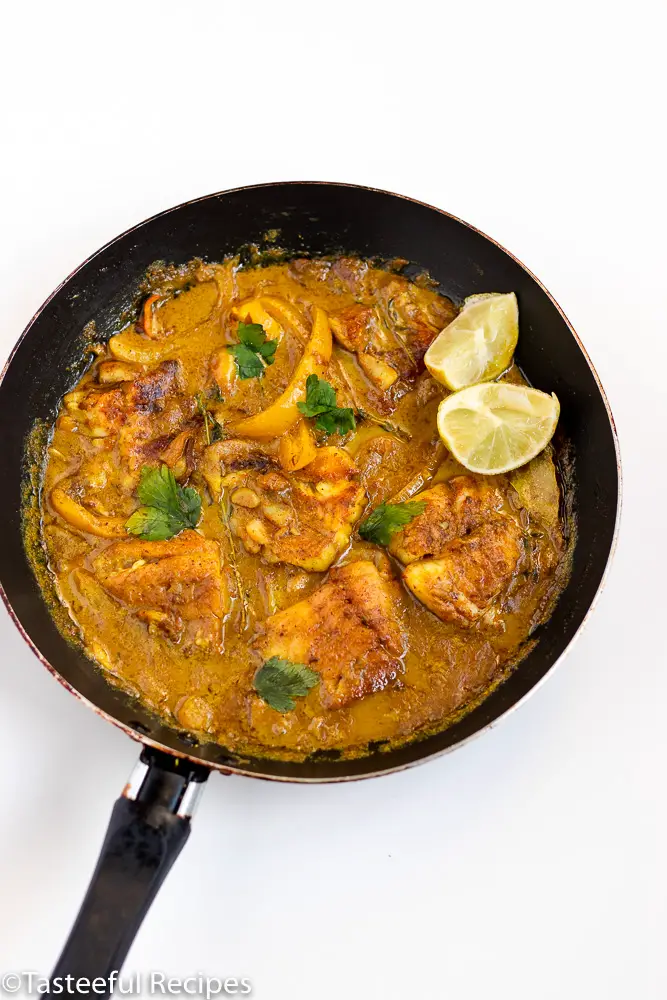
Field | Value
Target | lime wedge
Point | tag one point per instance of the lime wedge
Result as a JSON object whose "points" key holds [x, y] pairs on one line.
{"points": [[495, 427], [478, 345]]}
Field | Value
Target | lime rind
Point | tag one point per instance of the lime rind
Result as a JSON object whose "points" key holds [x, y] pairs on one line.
{"points": [[480, 296]]}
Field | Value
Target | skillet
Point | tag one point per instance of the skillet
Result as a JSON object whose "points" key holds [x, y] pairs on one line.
{"points": [[151, 820]]}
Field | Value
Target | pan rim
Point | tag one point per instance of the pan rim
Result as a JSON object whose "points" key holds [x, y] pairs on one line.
{"points": [[421, 759]]}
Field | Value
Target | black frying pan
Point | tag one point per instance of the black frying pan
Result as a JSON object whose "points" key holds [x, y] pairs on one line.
{"points": [[151, 820]]}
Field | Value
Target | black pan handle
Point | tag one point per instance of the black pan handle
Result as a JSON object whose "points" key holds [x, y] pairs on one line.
{"points": [[149, 825]]}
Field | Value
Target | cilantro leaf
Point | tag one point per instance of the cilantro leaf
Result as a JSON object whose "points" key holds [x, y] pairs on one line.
{"points": [[267, 351], [253, 352], [321, 403], [190, 503], [278, 682], [337, 421], [167, 508], [248, 363], [389, 518], [151, 524], [320, 397], [251, 334], [157, 486]]}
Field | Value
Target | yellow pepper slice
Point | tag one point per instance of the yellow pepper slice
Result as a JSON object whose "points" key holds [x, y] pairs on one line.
{"points": [[85, 520], [224, 370], [285, 313], [254, 311], [297, 447], [283, 413]]}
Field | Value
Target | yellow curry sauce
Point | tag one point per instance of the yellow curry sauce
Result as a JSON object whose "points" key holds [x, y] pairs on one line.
{"points": [[184, 624]]}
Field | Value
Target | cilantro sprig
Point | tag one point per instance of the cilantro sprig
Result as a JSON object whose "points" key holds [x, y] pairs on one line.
{"points": [[389, 518], [167, 508], [278, 682], [253, 351], [321, 403], [213, 431]]}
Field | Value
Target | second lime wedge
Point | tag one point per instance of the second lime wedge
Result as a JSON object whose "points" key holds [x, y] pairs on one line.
{"points": [[495, 427]]}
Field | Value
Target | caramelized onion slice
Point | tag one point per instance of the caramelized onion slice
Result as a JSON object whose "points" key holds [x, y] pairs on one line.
{"points": [[135, 347]]}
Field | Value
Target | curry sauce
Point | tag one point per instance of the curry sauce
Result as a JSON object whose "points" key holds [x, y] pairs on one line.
{"points": [[272, 564]]}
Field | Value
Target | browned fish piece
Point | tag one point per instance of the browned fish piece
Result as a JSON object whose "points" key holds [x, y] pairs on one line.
{"points": [[347, 631], [452, 509], [169, 582], [303, 518], [470, 572]]}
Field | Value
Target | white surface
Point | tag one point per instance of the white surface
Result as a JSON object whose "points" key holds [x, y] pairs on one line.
{"points": [[532, 863]]}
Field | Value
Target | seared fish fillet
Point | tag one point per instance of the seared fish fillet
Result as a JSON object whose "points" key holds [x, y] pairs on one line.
{"points": [[390, 338], [168, 583], [107, 407], [470, 571], [303, 518], [452, 509], [144, 410], [347, 631]]}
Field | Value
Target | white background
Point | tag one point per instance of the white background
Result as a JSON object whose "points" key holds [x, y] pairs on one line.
{"points": [[531, 864]]}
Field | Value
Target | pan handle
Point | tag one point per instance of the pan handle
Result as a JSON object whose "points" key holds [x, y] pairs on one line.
{"points": [[149, 825]]}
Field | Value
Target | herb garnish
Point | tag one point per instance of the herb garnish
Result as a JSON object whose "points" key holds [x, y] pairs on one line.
{"points": [[212, 429], [253, 352], [278, 682], [167, 507], [321, 403], [242, 596], [389, 518]]}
